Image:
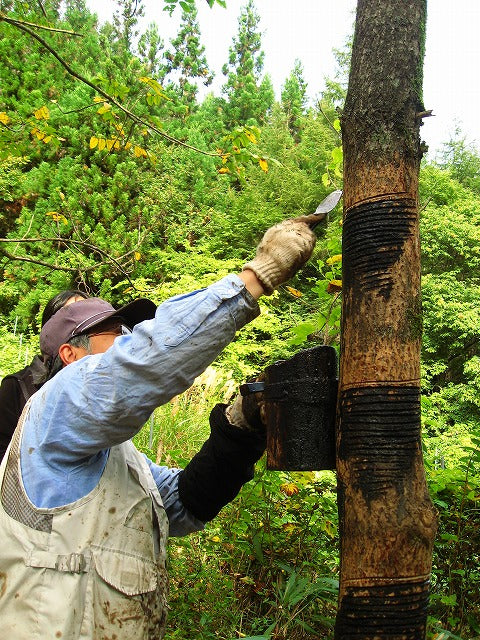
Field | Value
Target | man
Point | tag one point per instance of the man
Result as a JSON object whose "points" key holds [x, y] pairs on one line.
{"points": [[84, 516], [16, 388]]}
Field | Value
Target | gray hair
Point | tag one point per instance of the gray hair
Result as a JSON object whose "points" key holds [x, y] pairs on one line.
{"points": [[56, 365], [82, 341]]}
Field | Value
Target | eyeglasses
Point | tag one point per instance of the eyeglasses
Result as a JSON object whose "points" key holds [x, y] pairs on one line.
{"points": [[116, 330]]}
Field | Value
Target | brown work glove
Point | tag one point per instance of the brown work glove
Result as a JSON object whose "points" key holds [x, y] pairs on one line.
{"points": [[282, 251], [247, 412]]}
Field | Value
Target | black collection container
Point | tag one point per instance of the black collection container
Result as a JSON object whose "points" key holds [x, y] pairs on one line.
{"points": [[300, 396]]}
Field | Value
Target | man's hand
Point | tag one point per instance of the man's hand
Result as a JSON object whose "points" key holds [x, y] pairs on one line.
{"points": [[283, 250], [247, 412]]}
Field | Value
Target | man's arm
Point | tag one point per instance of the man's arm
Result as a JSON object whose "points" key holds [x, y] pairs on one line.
{"points": [[252, 283], [212, 478], [223, 465], [103, 400]]}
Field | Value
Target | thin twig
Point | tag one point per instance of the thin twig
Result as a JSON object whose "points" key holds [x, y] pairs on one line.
{"points": [[70, 241], [54, 267], [42, 9], [330, 123], [5, 254], [18, 22], [107, 96]]}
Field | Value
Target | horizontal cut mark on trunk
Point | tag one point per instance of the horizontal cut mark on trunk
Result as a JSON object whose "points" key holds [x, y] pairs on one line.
{"points": [[391, 611], [374, 234], [379, 435]]}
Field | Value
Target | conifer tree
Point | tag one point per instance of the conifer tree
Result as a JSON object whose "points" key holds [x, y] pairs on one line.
{"points": [[294, 99], [79, 17], [125, 20], [186, 57], [249, 96], [150, 44]]}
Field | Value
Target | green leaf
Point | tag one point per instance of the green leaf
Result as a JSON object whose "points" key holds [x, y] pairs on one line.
{"points": [[337, 155]]}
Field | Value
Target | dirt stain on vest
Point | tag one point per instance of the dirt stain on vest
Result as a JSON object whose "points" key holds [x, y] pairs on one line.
{"points": [[3, 583]]}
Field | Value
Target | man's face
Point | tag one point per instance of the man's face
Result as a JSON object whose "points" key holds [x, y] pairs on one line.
{"points": [[101, 338]]}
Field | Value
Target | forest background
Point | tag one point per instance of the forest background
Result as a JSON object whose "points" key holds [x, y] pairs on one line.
{"points": [[117, 179]]}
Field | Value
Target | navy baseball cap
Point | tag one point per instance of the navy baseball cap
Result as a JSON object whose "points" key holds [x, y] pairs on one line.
{"points": [[79, 317]]}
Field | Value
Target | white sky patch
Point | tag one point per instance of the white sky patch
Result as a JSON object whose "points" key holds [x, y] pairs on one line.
{"points": [[310, 29]]}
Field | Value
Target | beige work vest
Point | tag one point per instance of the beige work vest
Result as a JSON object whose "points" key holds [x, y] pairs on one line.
{"points": [[93, 569]]}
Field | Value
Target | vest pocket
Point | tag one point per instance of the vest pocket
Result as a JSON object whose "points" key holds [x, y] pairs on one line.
{"points": [[127, 573], [127, 595]]}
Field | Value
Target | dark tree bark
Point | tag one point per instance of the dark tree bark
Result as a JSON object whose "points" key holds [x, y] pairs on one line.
{"points": [[387, 521]]}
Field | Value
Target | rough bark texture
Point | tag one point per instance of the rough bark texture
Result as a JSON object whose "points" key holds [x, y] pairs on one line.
{"points": [[387, 522]]}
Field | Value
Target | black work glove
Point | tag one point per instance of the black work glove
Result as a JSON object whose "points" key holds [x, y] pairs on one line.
{"points": [[217, 472]]}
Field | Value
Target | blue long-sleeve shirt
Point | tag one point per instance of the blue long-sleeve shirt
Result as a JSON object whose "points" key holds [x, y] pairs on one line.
{"points": [[102, 400]]}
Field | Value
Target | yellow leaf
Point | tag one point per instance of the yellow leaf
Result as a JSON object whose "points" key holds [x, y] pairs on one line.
{"points": [[250, 136], [137, 255], [215, 539], [224, 170], [117, 144], [101, 144], [334, 259], [295, 292], [289, 488], [98, 99], [263, 164], [138, 151], [4, 119], [334, 286], [57, 217], [62, 195], [42, 114], [104, 108], [40, 134], [47, 139], [329, 528], [128, 145], [93, 142], [109, 144]]}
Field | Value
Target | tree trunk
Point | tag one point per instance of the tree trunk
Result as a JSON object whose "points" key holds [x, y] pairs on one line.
{"points": [[387, 521]]}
